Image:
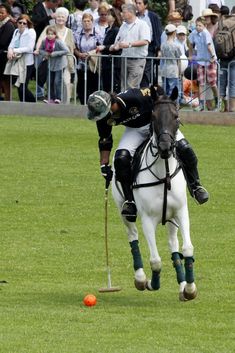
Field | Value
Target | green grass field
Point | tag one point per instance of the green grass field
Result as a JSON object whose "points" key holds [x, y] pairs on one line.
{"points": [[52, 249]]}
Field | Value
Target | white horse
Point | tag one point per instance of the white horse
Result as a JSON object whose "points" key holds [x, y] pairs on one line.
{"points": [[160, 196]]}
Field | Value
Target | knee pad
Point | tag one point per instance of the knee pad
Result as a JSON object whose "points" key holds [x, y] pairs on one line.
{"points": [[122, 164]]}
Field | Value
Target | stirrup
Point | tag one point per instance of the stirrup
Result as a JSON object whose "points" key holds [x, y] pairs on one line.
{"points": [[201, 194], [129, 211]]}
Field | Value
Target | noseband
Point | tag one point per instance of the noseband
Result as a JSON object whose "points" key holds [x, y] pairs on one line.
{"points": [[165, 131]]}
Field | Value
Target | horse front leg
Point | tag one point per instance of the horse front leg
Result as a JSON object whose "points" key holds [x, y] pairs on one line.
{"points": [[176, 258], [149, 227], [190, 289], [132, 234], [140, 278]]}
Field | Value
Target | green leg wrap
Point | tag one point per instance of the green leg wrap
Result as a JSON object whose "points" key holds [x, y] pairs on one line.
{"points": [[179, 269], [188, 264], [155, 281], [137, 259]]}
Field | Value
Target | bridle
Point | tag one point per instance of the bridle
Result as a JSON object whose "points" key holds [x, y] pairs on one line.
{"points": [[153, 147]]}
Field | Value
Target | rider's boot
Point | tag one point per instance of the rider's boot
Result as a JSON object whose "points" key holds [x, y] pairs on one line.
{"points": [[123, 171], [188, 160]]}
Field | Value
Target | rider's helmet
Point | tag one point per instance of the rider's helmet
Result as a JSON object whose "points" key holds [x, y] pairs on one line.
{"points": [[99, 104]]}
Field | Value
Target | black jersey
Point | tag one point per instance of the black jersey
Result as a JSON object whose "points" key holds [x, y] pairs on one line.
{"points": [[136, 108], [136, 111]]}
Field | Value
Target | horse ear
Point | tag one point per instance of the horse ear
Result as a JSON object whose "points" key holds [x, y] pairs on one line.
{"points": [[153, 93], [160, 90], [174, 94]]}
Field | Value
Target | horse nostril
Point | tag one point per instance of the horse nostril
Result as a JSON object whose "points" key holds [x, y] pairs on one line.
{"points": [[165, 149], [165, 154]]}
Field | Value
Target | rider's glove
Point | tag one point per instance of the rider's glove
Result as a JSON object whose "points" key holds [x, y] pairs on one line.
{"points": [[107, 172]]}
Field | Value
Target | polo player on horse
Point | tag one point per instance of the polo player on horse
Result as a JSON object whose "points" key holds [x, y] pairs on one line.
{"points": [[133, 109]]}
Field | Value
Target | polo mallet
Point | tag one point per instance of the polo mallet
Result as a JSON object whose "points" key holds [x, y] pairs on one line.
{"points": [[109, 287]]}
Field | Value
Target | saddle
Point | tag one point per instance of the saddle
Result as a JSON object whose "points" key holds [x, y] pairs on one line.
{"points": [[137, 158]]}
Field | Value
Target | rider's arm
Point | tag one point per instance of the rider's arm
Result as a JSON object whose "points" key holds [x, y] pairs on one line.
{"points": [[105, 140]]}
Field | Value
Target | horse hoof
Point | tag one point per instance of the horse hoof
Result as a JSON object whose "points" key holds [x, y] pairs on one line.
{"points": [[190, 291], [140, 285], [181, 291], [190, 296], [140, 279], [182, 297], [150, 287]]}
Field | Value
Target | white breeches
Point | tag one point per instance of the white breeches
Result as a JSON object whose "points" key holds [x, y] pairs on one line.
{"points": [[133, 137]]}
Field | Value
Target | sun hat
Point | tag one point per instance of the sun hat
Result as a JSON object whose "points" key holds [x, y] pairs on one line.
{"points": [[99, 104], [181, 29], [170, 28], [209, 12], [174, 16]]}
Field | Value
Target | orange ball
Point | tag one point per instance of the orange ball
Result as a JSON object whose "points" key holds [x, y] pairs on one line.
{"points": [[90, 300]]}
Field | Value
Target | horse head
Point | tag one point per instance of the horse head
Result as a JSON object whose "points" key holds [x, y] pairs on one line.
{"points": [[165, 121]]}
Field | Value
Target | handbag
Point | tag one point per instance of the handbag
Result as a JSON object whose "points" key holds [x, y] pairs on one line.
{"points": [[93, 61], [42, 72]]}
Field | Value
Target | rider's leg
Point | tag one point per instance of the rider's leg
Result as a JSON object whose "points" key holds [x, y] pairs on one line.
{"points": [[188, 161], [123, 171]]}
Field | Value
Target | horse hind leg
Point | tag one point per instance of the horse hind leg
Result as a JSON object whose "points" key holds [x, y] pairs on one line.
{"points": [[140, 276], [154, 283], [176, 258], [190, 289]]}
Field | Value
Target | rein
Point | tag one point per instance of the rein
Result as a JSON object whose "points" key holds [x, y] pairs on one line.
{"points": [[166, 180], [150, 146]]}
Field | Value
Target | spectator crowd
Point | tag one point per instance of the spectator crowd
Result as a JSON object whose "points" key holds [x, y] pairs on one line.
{"points": [[115, 45]]}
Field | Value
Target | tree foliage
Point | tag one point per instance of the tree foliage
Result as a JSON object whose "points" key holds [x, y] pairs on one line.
{"points": [[30, 4], [160, 7]]}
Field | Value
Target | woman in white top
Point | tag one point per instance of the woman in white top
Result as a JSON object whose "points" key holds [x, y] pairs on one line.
{"points": [[23, 42], [101, 24]]}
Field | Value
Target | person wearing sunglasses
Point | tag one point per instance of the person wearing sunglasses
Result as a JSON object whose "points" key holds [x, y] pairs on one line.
{"points": [[22, 44], [101, 23]]}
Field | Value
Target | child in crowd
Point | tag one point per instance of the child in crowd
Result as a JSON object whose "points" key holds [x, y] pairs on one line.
{"points": [[170, 67], [207, 68], [55, 51], [181, 41], [173, 18], [191, 89]]}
